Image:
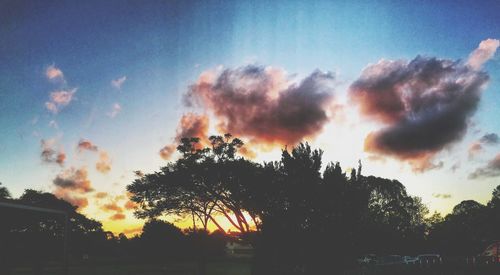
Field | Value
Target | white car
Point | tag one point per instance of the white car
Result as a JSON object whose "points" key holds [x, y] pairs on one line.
{"points": [[410, 260]]}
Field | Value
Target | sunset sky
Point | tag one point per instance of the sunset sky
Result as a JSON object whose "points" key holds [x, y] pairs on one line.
{"points": [[91, 91]]}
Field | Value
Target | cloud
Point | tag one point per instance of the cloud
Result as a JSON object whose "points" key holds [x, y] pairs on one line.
{"points": [[103, 165], [139, 173], [483, 53], [490, 170], [53, 124], [51, 154], [424, 104], [117, 83], [110, 207], [130, 205], [118, 216], [60, 99], [71, 185], [190, 125], [86, 145], [101, 195], [477, 146], [73, 179], [455, 167], [263, 104], [54, 74], [167, 151], [441, 196], [78, 201], [474, 149], [490, 139], [135, 230], [115, 110]]}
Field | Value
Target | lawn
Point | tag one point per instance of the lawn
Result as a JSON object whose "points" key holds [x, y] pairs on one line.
{"points": [[225, 267]]}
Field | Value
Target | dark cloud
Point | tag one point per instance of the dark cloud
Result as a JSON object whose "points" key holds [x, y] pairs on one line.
{"points": [[263, 105], [78, 201], [86, 145], [490, 139], [190, 125], [50, 153], [74, 180], [490, 170], [425, 105], [72, 185]]}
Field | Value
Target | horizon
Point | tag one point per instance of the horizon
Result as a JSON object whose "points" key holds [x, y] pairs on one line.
{"points": [[94, 94]]}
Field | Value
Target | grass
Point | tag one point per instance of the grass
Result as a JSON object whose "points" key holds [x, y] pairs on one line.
{"points": [[223, 267]]}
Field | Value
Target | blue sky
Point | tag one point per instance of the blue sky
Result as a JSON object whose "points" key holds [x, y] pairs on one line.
{"points": [[162, 47]]}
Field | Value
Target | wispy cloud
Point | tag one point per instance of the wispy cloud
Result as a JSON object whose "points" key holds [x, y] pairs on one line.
{"points": [[190, 125], [478, 146], [54, 74], [117, 83], [490, 170], [115, 110], [441, 196], [53, 124], [86, 145], [483, 53], [103, 165], [60, 99], [52, 152]]}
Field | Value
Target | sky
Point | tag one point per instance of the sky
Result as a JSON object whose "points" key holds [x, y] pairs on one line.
{"points": [[92, 91]]}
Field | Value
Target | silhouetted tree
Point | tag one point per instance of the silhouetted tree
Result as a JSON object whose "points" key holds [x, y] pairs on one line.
{"points": [[4, 192], [204, 183], [162, 240]]}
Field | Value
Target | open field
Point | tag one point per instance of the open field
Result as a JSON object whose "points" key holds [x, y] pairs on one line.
{"points": [[181, 268]]}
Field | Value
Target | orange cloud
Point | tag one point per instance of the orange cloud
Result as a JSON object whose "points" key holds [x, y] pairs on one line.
{"points": [[130, 205], [60, 99], [101, 195], [112, 207], [86, 145], [190, 125], [51, 154], [130, 231], [167, 151], [118, 216], [54, 74], [103, 165]]}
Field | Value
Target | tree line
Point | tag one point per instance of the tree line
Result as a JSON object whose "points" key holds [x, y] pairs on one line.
{"points": [[297, 212]]}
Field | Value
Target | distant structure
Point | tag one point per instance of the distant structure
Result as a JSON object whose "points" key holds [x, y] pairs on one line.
{"points": [[493, 251], [238, 249]]}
